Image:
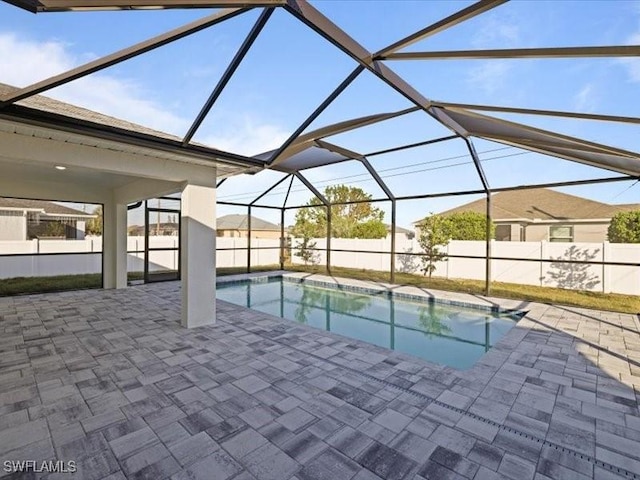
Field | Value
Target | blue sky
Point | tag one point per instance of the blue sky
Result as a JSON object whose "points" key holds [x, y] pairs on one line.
{"points": [[291, 69]]}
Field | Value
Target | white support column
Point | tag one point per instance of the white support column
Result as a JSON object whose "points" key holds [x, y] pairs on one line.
{"points": [[114, 245], [198, 255]]}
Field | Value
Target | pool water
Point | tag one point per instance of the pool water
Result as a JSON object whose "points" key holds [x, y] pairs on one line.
{"points": [[440, 333]]}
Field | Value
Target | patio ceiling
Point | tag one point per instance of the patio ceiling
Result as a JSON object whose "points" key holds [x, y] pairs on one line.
{"points": [[308, 150]]}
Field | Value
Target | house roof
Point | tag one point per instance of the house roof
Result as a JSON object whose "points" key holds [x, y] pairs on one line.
{"points": [[47, 104], [399, 229], [48, 208], [240, 222], [164, 226], [62, 115], [542, 204]]}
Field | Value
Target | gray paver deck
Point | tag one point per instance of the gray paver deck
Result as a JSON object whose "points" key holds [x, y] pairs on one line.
{"points": [[111, 380]]}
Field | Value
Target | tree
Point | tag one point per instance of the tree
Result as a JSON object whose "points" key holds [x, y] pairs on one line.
{"points": [[625, 227], [305, 249], [465, 226], [436, 231], [433, 236], [357, 220], [94, 225], [55, 229], [468, 226]]}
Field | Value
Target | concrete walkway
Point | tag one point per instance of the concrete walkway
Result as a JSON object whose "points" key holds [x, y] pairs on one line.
{"points": [[109, 380]]}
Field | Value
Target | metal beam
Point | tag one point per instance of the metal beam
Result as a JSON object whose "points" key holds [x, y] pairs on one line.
{"points": [[329, 234], [411, 145], [282, 212], [286, 197], [231, 69], [315, 20], [528, 111], [478, 165], [441, 25], [392, 266], [268, 190], [548, 145], [324, 201], [313, 189], [282, 239], [221, 182], [43, 6], [354, 123], [236, 204], [332, 147], [479, 192], [515, 53], [327, 101], [485, 185], [249, 239], [121, 55], [372, 171]]}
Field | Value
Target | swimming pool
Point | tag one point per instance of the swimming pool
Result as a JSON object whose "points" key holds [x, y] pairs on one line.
{"points": [[438, 332]]}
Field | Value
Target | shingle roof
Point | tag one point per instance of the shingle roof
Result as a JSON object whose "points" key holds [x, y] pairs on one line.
{"points": [[240, 222], [399, 229], [47, 104], [543, 204], [49, 208]]}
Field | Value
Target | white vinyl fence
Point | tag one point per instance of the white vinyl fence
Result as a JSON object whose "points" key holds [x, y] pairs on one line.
{"points": [[43, 258], [558, 273], [84, 256]]}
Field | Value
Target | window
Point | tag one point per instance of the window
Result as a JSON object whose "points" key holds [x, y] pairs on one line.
{"points": [[561, 233], [503, 233]]}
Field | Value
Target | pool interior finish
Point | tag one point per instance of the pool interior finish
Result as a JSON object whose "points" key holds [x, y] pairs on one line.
{"points": [[438, 332]]}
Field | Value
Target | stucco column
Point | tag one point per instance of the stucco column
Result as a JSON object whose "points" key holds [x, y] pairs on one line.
{"points": [[114, 245], [198, 255]]}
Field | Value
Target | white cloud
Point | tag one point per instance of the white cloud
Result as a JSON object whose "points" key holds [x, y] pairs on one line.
{"points": [[489, 76], [245, 135], [496, 31], [585, 100], [23, 62]]}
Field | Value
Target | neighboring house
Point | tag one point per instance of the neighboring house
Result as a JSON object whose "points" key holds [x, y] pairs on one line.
{"points": [[238, 226], [401, 233], [27, 219], [534, 215], [163, 229]]}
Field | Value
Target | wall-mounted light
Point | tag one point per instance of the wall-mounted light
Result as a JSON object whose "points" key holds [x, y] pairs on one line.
{"points": [[60, 167]]}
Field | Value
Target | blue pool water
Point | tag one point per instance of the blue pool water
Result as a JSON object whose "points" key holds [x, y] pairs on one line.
{"points": [[441, 333]]}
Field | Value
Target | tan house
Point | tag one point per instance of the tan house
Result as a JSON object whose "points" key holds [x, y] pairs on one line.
{"points": [[534, 215], [238, 226], [159, 229], [22, 219], [401, 233]]}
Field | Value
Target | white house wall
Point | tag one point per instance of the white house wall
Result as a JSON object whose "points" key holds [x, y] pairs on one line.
{"points": [[114, 174], [13, 225]]}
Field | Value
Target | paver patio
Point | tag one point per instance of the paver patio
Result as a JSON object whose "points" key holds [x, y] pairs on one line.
{"points": [[109, 379]]}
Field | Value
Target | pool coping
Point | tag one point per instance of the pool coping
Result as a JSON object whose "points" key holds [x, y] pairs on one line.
{"points": [[405, 292]]}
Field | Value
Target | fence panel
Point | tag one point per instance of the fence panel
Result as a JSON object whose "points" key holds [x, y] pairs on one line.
{"points": [[21, 259]]}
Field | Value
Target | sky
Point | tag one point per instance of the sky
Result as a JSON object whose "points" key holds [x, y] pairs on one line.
{"points": [[290, 70]]}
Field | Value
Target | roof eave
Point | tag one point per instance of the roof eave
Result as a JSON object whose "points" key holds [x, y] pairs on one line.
{"points": [[40, 118]]}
